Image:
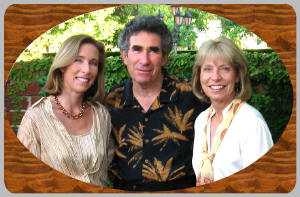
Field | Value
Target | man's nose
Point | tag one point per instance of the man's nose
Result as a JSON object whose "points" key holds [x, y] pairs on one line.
{"points": [[144, 58]]}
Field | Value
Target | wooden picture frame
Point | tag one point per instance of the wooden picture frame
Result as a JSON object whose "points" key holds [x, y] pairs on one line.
{"points": [[275, 172]]}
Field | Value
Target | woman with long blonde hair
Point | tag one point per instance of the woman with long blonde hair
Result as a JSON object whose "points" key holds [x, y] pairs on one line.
{"points": [[69, 129]]}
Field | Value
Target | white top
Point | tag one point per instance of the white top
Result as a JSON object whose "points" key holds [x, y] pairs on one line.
{"points": [[246, 140]]}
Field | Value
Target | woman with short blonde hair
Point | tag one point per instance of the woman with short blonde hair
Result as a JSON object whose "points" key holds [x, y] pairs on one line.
{"points": [[230, 134], [226, 49]]}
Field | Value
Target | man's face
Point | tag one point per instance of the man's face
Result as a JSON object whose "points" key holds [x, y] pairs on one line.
{"points": [[144, 59]]}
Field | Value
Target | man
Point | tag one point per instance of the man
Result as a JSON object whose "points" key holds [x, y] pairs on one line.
{"points": [[152, 113]]}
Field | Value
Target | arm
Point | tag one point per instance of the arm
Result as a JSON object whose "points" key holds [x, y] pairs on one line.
{"points": [[28, 134], [197, 147], [256, 143], [110, 147]]}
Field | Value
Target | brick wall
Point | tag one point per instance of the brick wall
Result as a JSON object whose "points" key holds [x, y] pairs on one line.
{"points": [[31, 95]]}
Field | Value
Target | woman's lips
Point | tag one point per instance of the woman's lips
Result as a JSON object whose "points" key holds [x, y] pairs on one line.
{"points": [[217, 87], [82, 79]]}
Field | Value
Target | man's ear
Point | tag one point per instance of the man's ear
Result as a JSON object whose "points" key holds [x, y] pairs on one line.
{"points": [[124, 56]]}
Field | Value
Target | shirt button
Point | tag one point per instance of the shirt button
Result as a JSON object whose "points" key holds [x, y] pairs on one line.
{"points": [[146, 141], [146, 119]]}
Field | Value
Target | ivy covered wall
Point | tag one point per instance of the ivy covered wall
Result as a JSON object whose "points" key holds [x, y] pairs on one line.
{"points": [[272, 89]]}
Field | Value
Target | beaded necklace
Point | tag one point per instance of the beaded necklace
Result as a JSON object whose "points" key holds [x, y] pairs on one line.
{"points": [[68, 114]]}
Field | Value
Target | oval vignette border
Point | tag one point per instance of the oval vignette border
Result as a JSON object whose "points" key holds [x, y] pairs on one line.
{"points": [[273, 23]]}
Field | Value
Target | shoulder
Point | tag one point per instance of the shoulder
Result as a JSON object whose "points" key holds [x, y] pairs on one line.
{"points": [[40, 102], [250, 111], [102, 115], [255, 132], [177, 85], [185, 94], [117, 88], [199, 125], [32, 117], [201, 117], [115, 93], [37, 106], [176, 78], [181, 93], [183, 84], [99, 107], [251, 120]]}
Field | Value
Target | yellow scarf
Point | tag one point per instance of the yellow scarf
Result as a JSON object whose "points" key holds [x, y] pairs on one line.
{"points": [[206, 174]]}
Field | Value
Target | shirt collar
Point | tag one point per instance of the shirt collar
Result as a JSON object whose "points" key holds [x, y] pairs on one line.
{"points": [[224, 111], [168, 94], [127, 98]]}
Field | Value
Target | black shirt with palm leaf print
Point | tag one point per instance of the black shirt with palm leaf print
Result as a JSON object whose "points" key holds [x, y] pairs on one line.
{"points": [[153, 149]]}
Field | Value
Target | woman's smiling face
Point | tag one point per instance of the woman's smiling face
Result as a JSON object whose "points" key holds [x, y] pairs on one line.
{"points": [[81, 74], [218, 79]]}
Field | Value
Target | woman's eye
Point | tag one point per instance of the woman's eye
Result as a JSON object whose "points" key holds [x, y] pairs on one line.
{"points": [[206, 69], [226, 68], [77, 60], [94, 63]]}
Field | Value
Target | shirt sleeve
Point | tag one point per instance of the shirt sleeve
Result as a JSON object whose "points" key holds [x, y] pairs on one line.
{"points": [[110, 141], [28, 134], [196, 161], [256, 142], [110, 147]]}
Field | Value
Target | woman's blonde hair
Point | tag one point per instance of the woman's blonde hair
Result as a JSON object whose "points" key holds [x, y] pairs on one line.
{"points": [[66, 56], [222, 48]]}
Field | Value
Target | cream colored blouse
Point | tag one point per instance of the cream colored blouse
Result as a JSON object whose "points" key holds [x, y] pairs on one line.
{"points": [[84, 157]]}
